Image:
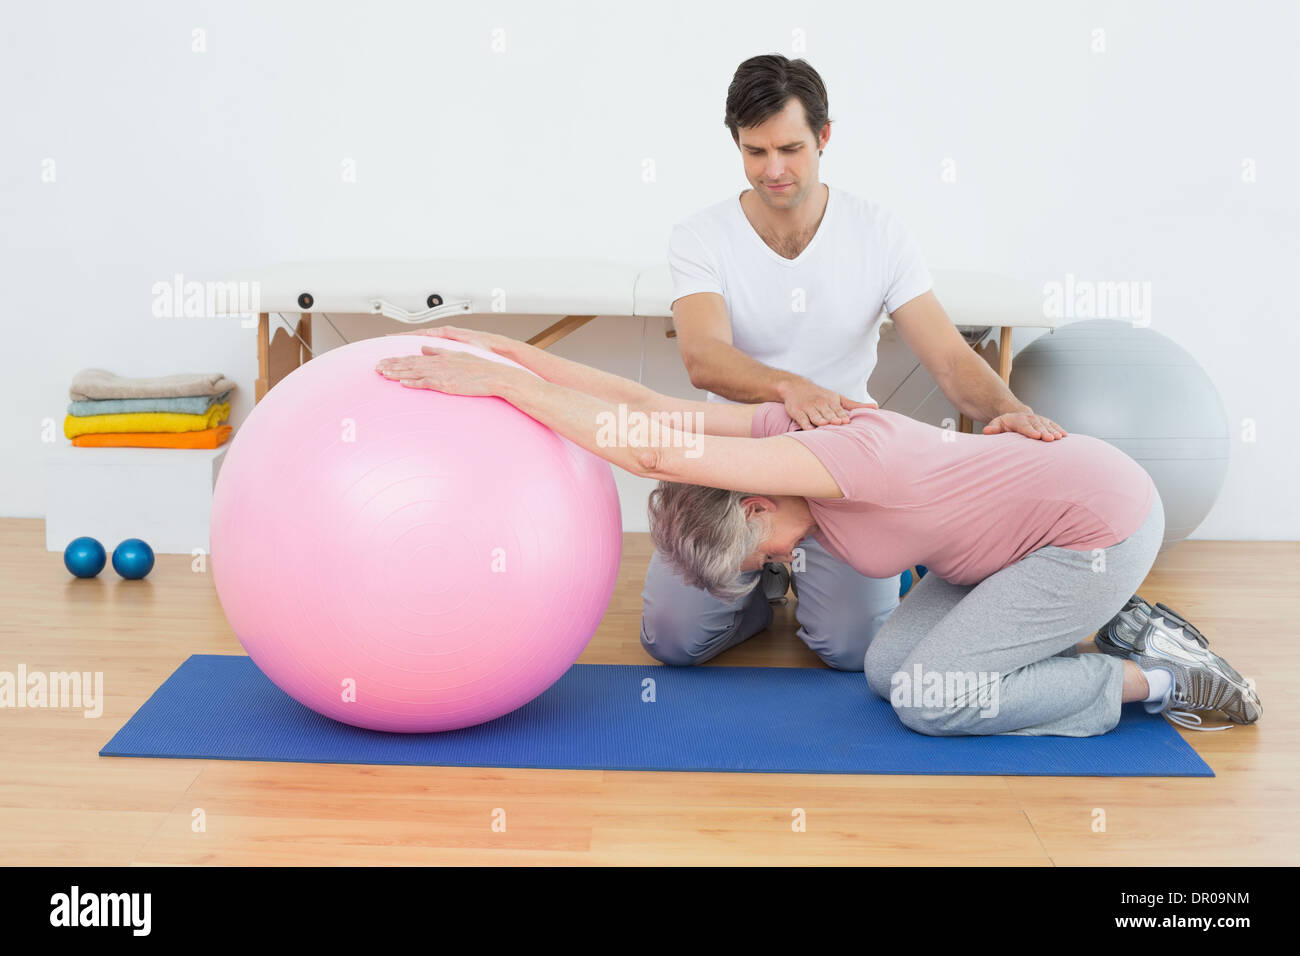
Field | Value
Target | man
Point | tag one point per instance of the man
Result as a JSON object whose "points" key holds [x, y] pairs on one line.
{"points": [[777, 298]]}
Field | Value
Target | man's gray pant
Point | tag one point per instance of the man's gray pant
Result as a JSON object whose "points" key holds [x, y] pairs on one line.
{"points": [[839, 612]]}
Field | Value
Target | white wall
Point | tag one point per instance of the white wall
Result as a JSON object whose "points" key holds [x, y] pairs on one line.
{"points": [[1122, 165]]}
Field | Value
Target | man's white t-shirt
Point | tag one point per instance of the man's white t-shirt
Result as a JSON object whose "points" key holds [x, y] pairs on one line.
{"points": [[817, 315]]}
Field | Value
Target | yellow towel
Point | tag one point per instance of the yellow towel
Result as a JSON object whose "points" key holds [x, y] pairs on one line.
{"points": [[74, 425]]}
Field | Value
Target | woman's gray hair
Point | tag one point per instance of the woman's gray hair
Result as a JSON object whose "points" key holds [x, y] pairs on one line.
{"points": [[704, 535]]}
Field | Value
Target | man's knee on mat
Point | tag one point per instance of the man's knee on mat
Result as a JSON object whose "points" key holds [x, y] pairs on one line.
{"points": [[674, 651], [843, 658], [851, 646], [679, 641]]}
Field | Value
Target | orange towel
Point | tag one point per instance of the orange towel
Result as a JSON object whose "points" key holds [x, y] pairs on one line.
{"points": [[207, 438]]}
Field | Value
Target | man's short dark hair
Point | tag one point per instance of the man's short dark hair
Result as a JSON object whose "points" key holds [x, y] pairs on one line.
{"points": [[764, 84]]}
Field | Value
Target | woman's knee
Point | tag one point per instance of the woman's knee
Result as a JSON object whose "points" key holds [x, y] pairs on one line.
{"points": [[879, 666], [933, 721]]}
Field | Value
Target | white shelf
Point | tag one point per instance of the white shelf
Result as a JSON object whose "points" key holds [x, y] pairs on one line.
{"points": [[161, 495]]}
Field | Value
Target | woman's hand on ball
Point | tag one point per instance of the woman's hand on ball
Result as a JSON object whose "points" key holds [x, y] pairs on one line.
{"points": [[445, 370]]}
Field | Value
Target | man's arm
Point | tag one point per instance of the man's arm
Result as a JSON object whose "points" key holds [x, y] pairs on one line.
{"points": [[715, 364], [969, 382]]}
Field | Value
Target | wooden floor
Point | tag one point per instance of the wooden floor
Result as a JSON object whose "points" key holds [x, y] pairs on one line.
{"points": [[60, 803]]}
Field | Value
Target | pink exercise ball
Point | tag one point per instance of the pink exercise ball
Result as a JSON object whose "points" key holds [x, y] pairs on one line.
{"points": [[406, 560]]}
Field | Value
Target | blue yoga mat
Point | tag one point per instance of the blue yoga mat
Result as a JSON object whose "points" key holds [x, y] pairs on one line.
{"points": [[749, 719]]}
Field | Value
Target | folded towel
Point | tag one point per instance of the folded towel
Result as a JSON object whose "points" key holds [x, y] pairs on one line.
{"points": [[97, 383], [74, 425], [208, 438], [195, 405]]}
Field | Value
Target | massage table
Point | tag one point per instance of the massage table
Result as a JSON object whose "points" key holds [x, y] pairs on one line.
{"points": [[573, 291]]}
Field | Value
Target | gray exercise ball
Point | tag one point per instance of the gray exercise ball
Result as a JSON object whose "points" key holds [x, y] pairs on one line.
{"points": [[1142, 393]]}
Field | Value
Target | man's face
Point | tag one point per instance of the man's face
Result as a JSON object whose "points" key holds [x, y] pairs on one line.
{"points": [[782, 150]]}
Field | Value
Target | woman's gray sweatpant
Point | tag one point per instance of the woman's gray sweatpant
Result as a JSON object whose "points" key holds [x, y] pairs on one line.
{"points": [[998, 657]]}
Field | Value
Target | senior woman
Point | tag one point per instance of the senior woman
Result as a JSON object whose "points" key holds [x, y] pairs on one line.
{"points": [[1031, 546]]}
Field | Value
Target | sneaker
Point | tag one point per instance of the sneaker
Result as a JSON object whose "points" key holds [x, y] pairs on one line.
{"points": [[1202, 679], [1117, 635], [776, 582]]}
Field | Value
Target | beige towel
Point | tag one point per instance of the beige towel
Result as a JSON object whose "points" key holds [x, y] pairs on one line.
{"points": [[92, 384]]}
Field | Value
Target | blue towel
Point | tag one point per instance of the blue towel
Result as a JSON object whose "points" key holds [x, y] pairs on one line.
{"points": [[191, 405]]}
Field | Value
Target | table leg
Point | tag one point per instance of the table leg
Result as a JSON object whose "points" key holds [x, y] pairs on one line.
{"points": [[552, 334], [1003, 367], [304, 333], [263, 385]]}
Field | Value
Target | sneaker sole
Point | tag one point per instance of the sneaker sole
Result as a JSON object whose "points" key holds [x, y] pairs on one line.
{"points": [[1112, 637]]}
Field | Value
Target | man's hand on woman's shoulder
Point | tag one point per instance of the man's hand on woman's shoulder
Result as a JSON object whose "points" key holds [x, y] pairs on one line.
{"points": [[1026, 423], [813, 406]]}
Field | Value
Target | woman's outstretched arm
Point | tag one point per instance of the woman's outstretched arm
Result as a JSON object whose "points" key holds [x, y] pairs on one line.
{"points": [[712, 418], [652, 447], [779, 465]]}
